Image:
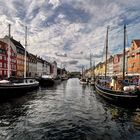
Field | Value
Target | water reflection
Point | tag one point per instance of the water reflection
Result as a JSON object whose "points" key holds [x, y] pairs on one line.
{"points": [[11, 112], [136, 119], [66, 111]]}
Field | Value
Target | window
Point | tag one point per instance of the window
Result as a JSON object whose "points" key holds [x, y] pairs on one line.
{"points": [[5, 72], [0, 57], [4, 57], [2, 51], [0, 64], [4, 65], [0, 72]]}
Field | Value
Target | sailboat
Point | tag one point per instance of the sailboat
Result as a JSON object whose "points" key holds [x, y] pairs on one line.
{"points": [[122, 97], [83, 79], [46, 80], [20, 86], [91, 81]]}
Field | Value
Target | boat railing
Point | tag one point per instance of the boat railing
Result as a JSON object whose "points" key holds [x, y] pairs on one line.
{"points": [[118, 85]]}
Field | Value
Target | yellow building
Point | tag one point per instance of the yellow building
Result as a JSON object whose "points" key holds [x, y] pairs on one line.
{"points": [[100, 69]]}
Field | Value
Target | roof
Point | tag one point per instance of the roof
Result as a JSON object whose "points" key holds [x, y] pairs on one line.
{"points": [[39, 59], [137, 41], [17, 44], [6, 40]]}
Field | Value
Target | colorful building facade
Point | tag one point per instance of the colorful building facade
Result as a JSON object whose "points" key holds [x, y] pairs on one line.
{"points": [[20, 57], [110, 66], [117, 64], [133, 58], [4, 48]]}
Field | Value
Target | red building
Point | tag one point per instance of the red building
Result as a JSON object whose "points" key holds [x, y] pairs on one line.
{"points": [[117, 64], [4, 58]]}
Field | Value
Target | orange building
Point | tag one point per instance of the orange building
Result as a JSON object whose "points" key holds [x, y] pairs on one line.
{"points": [[133, 58]]}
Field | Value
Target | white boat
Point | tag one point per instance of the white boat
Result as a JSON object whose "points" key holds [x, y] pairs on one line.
{"points": [[12, 89], [46, 80], [83, 81]]}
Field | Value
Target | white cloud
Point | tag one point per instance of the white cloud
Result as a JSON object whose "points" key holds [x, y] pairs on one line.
{"points": [[55, 3], [64, 36]]}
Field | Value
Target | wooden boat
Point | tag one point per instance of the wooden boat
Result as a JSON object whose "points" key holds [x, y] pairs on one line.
{"points": [[11, 89], [124, 98], [83, 81], [46, 80], [119, 97], [91, 82]]}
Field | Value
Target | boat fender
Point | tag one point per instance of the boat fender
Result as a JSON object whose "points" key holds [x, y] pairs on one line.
{"points": [[126, 88], [129, 88]]}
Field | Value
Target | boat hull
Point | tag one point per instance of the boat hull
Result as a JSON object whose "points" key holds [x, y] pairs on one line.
{"points": [[119, 98], [44, 82], [83, 82], [10, 90], [57, 81], [64, 78]]}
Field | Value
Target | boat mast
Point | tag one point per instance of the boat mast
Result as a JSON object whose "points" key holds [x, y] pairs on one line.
{"points": [[106, 51], [25, 52], [61, 71], [94, 69], [9, 48], [124, 52], [90, 60], [82, 71]]}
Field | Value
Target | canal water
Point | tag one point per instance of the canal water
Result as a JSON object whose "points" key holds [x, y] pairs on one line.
{"points": [[68, 111]]}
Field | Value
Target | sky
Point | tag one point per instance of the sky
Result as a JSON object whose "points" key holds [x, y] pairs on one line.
{"points": [[68, 31]]}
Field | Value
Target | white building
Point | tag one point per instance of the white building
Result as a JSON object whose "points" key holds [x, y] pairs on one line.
{"points": [[32, 69], [54, 69], [39, 66], [46, 67]]}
